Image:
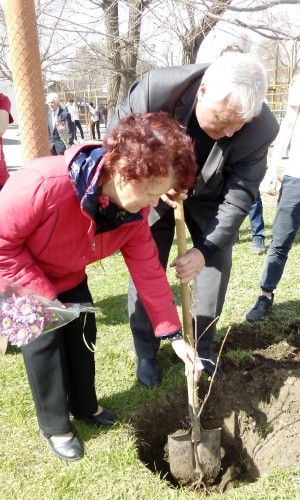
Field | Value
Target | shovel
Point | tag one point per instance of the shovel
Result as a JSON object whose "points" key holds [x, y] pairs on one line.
{"points": [[196, 453]]}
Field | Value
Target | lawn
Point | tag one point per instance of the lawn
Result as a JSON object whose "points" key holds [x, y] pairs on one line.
{"points": [[112, 468]]}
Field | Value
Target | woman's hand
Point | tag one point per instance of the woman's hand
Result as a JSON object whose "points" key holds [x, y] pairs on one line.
{"points": [[189, 356], [188, 266]]}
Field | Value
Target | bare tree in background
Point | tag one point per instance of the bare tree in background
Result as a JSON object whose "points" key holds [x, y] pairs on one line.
{"points": [[191, 21], [121, 48], [112, 38], [57, 40], [286, 50]]}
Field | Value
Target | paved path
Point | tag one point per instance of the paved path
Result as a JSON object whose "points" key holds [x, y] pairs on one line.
{"points": [[12, 148]]}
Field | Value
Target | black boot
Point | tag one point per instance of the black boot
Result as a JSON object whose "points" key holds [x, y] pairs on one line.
{"points": [[148, 372], [207, 354], [209, 360]]}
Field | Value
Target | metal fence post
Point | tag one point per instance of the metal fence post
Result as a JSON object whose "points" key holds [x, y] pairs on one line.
{"points": [[23, 42]]}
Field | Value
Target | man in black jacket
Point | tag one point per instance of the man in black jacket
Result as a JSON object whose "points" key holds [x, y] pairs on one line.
{"points": [[60, 126], [222, 108]]}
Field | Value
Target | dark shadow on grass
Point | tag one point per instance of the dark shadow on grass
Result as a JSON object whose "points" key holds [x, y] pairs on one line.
{"points": [[280, 324], [113, 309], [12, 349]]}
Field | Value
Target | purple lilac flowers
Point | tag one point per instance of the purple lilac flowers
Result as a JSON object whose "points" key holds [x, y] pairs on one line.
{"points": [[23, 319], [24, 315]]}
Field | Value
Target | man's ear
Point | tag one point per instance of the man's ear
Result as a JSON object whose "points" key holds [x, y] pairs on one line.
{"points": [[201, 91]]}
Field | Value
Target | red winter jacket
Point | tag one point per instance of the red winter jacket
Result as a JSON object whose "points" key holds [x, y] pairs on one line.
{"points": [[46, 240]]}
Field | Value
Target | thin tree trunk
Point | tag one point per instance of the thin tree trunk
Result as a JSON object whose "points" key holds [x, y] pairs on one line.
{"points": [[111, 18]]}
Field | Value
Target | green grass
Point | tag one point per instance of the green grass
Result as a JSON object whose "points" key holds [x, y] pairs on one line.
{"points": [[111, 468], [238, 355]]}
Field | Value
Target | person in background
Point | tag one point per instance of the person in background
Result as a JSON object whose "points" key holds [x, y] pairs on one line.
{"points": [[257, 224], [60, 126], [5, 120], [287, 217], [231, 128], [104, 115], [65, 105], [95, 120], [75, 210], [74, 112], [256, 217]]}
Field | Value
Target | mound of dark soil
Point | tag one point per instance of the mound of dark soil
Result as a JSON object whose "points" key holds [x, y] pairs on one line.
{"points": [[256, 403]]}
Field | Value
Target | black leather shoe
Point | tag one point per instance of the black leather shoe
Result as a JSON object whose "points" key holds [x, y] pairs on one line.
{"points": [[148, 372], [70, 450], [106, 417]]}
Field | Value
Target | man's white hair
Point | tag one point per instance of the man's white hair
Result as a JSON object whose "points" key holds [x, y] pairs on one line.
{"points": [[53, 97], [241, 78]]}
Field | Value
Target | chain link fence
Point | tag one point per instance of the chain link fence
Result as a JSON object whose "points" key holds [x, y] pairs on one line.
{"points": [[27, 78]]}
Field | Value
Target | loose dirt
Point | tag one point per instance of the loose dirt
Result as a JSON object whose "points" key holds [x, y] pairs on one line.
{"points": [[256, 402]]}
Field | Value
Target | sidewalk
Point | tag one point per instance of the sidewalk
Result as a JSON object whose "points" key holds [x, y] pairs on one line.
{"points": [[12, 148]]}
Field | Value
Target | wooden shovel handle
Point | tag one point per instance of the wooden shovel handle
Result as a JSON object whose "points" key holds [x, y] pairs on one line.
{"points": [[187, 315], [184, 287]]}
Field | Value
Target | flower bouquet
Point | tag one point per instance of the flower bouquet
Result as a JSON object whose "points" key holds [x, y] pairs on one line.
{"points": [[25, 315], [63, 131]]}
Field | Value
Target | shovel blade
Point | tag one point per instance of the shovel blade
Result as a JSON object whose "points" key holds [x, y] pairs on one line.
{"points": [[181, 456], [209, 453]]}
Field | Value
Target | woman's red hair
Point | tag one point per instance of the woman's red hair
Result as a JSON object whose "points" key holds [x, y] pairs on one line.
{"points": [[153, 144]]}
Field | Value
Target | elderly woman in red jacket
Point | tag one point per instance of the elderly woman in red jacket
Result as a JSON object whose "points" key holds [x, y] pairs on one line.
{"points": [[61, 213]]}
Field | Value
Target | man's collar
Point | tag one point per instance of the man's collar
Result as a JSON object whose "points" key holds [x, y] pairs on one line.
{"points": [[185, 105]]}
